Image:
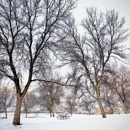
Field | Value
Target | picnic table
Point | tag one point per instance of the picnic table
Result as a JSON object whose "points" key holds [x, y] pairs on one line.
{"points": [[63, 116], [3, 117]]}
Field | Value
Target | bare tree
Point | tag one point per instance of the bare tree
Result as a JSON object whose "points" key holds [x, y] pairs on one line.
{"points": [[51, 93], [50, 96], [71, 104], [7, 98], [121, 84], [88, 56], [50, 90], [28, 29], [88, 103], [29, 102], [109, 98]]}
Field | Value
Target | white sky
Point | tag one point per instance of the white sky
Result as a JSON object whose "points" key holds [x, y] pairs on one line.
{"points": [[121, 6]]}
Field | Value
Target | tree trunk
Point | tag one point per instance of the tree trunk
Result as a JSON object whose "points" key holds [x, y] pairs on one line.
{"points": [[16, 119], [112, 111], [89, 112], [125, 109], [71, 111], [5, 109], [100, 104], [26, 112], [51, 114], [5, 112], [36, 113], [25, 107], [101, 108]]}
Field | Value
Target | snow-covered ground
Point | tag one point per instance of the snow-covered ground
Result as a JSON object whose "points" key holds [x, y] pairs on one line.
{"points": [[76, 122]]}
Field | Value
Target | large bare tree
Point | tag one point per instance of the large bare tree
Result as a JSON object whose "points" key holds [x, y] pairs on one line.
{"points": [[28, 29], [102, 41]]}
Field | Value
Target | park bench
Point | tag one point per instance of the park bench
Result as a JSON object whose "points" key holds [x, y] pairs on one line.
{"points": [[63, 116]]}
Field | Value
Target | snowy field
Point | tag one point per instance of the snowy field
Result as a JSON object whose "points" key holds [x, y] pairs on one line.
{"points": [[76, 122]]}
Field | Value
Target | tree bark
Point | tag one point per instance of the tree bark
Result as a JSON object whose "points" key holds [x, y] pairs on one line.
{"points": [[71, 111], [112, 111], [5, 112], [51, 114], [26, 112], [100, 104], [125, 109], [16, 119], [89, 112]]}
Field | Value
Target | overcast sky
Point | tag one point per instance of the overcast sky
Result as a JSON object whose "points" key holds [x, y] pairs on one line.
{"points": [[121, 6]]}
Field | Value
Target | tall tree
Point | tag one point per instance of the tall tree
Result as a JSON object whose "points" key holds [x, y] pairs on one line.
{"points": [[88, 55], [28, 29]]}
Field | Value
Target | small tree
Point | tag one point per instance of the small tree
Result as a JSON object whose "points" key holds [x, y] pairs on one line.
{"points": [[29, 102], [109, 98], [50, 95], [121, 85], [88, 103], [71, 103], [7, 98]]}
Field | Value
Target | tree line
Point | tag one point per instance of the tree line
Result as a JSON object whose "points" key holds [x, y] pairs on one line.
{"points": [[34, 31], [54, 98]]}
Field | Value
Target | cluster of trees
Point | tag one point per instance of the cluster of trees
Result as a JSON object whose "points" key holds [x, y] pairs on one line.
{"points": [[51, 97], [117, 87], [34, 31], [114, 91]]}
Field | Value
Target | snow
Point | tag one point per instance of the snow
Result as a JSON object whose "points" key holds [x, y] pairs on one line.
{"points": [[76, 122]]}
